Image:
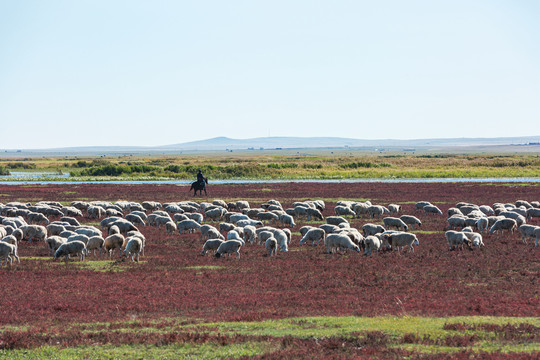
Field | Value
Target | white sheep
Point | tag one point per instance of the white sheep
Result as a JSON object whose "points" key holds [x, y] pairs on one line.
{"points": [[396, 222], [394, 209], [398, 240], [475, 239], [95, 243], [335, 242], [372, 229], [336, 220], [34, 231], [133, 248], [372, 243], [287, 220], [115, 241], [71, 248], [432, 209], [504, 224], [170, 227], [229, 247], [456, 239], [313, 235], [250, 234], [527, 231], [411, 220], [482, 224], [211, 244], [271, 246], [8, 252], [78, 237], [344, 211], [376, 210], [188, 226]]}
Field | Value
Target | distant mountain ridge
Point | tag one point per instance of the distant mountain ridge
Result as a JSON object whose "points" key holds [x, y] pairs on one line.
{"points": [[225, 143]]}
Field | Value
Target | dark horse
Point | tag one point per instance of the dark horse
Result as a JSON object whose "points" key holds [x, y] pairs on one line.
{"points": [[199, 186]]}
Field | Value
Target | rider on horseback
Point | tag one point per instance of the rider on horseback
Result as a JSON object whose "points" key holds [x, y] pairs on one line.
{"points": [[200, 177]]}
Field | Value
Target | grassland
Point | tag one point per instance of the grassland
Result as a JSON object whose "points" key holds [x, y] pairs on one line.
{"points": [[299, 166]]}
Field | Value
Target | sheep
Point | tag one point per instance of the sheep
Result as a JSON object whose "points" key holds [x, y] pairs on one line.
{"points": [[454, 211], [475, 240], [55, 229], [527, 231], [344, 210], [456, 239], [211, 244], [456, 221], [397, 222], [240, 204], [161, 220], [336, 220], [304, 229], [229, 247], [198, 217], [95, 212], [394, 209], [338, 241], [310, 213], [371, 243], [71, 248], [375, 210], [271, 246], [420, 205], [372, 229], [250, 233], [411, 220], [78, 237], [133, 248], [243, 223], [432, 209], [188, 226], [151, 205], [37, 218], [234, 235], [88, 231], [235, 217], [34, 231], [268, 216], [312, 235], [170, 227], [360, 209], [533, 212], [487, 210], [329, 228], [215, 214], [112, 242], [70, 220], [114, 230], [264, 235], [135, 219], [124, 226], [287, 220], [225, 227], [10, 239], [209, 232], [7, 252], [504, 224], [95, 243], [398, 240], [176, 217]]}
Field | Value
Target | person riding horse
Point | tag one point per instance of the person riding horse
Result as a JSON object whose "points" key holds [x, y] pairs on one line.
{"points": [[200, 184], [200, 177]]}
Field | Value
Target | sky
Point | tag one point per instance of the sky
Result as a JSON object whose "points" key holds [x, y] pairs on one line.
{"points": [[100, 73]]}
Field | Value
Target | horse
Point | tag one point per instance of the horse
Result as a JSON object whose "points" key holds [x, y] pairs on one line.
{"points": [[199, 186]]}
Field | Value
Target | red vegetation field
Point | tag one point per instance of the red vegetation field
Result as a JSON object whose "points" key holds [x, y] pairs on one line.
{"points": [[174, 280]]}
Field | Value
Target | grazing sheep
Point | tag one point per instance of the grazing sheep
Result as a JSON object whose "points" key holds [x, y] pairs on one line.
{"points": [[372, 243], [432, 209], [420, 205], [170, 227], [240, 205], [287, 220], [37, 218], [211, 244], [271, 246], [234, 235], [533, 212], [198, 217], [475, 240], [95, 243], [114, 230], [151, 205], [55, 229], [527, 231], [411, 220], [215, 214], [264, 235], [112, 242], [335, 220], [124, 226], [10, 239], [487, 210], [95, 212], [482, 224], [88, 231], [70, 220], [398, 240], [226, 227], [454, 211], [504, 224], [235, 217], [396, 222], [313, 235], [268, 216], [456, 239], [456, 221], [133, 248], [250, 234], [229, 247], [71, 248], [314, 213], [344, 211], [209, 232], [244, 223], [30, 232], [78, 237], [188, 226], [54, 243], [304, 229], [135, 219], [161, 220], [329, 228], [394, 209], [372, 229], [7, 253], [375, 210], [336, 242]]}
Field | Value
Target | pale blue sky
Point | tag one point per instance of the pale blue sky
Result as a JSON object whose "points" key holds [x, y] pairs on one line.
{"points": [[76, 73]]}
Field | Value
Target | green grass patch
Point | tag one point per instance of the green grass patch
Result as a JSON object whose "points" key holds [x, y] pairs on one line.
{"points": [[176, 351], [205, 267]]}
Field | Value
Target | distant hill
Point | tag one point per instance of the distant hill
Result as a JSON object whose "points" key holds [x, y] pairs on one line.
{"points": [[268, 143]]}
